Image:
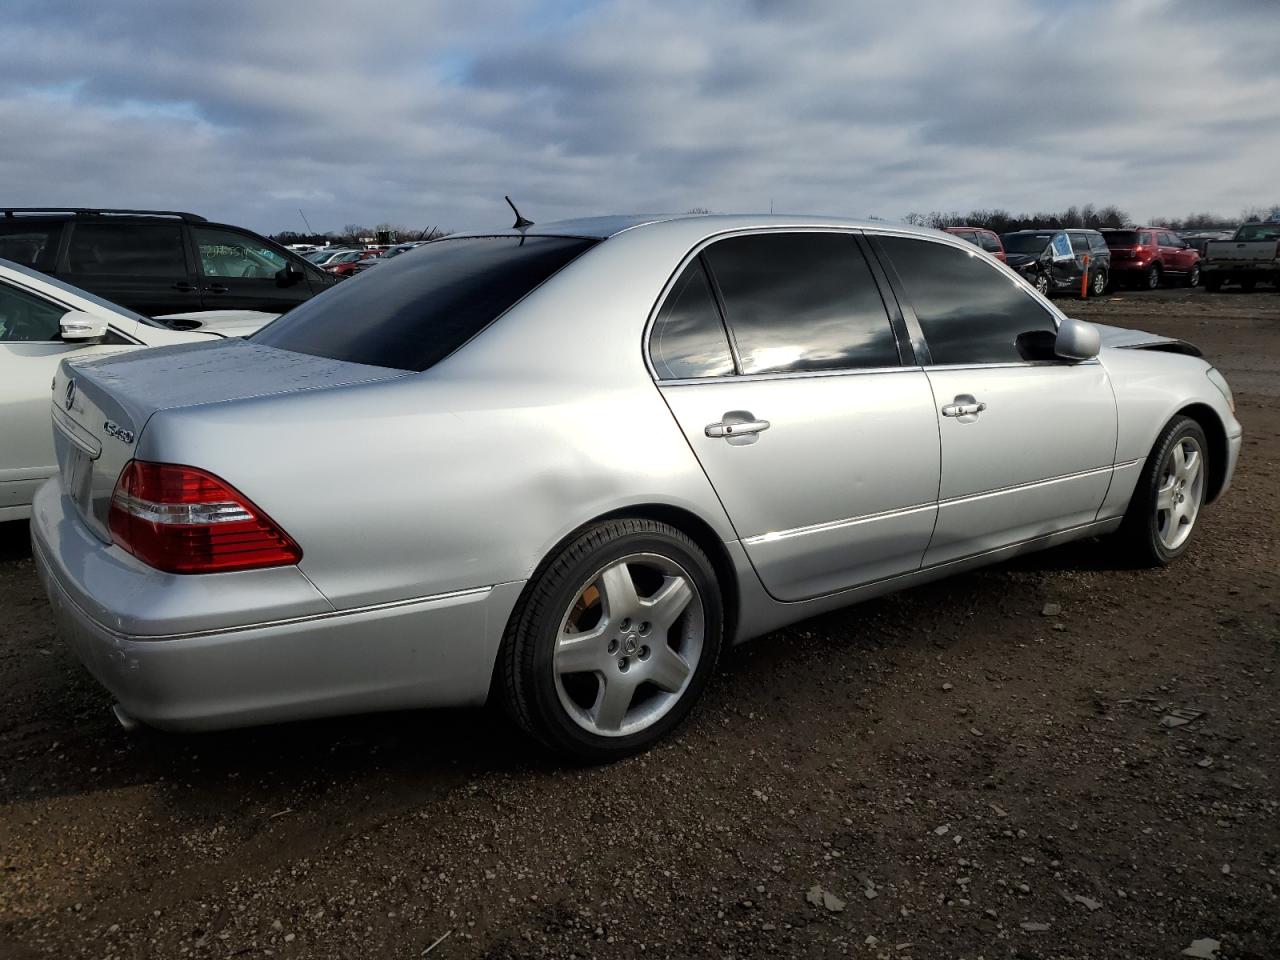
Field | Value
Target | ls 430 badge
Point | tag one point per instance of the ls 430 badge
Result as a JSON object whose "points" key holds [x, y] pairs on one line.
{"points": [[120, 433]]}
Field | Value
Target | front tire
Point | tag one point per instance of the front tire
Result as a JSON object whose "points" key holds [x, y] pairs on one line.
{"points": [[1193, 278], [1166, 504], [613, 640], [1042, 283]]}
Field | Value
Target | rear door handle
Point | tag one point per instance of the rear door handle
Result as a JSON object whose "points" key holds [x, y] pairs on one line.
{"points": [[217, 288], [183, 286], [738, 427], [964, 406]]}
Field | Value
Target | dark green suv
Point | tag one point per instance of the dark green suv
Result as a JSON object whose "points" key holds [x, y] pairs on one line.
{"points": [[158, 262]]}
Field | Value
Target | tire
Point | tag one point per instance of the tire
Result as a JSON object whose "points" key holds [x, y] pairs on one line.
{"points": [[1151, 279], [1098, 285], [1212, 284], [1193, 277], [1041, 284], [1162, 516], [653, 658]]}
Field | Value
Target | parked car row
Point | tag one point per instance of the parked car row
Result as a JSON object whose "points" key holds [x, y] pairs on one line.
{"points": [[1088, 262], [386, 498]]}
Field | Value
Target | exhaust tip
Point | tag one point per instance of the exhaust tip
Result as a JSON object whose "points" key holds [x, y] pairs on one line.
{"points": [[124, 718]]}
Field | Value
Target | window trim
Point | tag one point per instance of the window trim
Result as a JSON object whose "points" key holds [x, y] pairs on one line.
{"points": [[906, 361], [913, 322]]}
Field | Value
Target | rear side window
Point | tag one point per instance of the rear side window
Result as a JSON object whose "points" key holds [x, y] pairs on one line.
{"points": [[969, 311], [32, 245], [990, 243], [688, 338], [127, 250], [1079, 242], [413, 312], [800, 302], [1121, 238], [1097, 244]]}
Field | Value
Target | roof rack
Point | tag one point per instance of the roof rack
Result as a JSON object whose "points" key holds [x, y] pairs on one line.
{"points": [[97, 211]]}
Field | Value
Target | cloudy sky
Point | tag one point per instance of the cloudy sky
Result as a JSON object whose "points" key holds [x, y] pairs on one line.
{"points": [[427, 111]]}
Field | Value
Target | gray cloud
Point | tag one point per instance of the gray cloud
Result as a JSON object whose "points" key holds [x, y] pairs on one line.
{"points": [[427, 112]]}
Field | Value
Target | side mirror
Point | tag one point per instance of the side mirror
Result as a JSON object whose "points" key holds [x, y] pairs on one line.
{"points": [[288, 275], [76, 326], [1077, 340]]}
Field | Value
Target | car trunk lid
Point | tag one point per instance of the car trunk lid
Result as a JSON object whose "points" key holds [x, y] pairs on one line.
{"points": [[101, 406]]}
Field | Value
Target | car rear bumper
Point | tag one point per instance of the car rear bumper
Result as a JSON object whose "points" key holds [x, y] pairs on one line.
{"points": [[428, 651]]}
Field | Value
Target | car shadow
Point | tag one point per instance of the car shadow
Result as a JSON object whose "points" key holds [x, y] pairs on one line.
{"points": [[15, 540]]}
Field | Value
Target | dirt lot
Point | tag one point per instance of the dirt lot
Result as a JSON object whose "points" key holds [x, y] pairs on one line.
{"points": [[964, 775]]}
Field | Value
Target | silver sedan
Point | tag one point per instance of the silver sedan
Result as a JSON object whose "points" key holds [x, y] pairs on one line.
{"points": [[566, 465]]}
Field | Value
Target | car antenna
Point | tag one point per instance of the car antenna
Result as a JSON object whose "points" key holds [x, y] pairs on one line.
{"points": [[521, 222]]}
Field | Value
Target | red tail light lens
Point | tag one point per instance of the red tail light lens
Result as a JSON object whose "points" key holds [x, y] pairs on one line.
{"points": [[183, 520]]}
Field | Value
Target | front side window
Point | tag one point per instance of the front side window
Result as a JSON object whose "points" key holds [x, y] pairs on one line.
{"points": [[225, 253], [688, 338], [127, 250], [26, 318], [411, 314], [799, 302], [969, 311]]}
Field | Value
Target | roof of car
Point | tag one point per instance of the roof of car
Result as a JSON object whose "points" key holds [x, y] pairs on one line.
{"points": [[602, 228]]}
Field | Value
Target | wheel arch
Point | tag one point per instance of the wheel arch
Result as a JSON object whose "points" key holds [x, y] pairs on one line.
{"points": [[1216, 433]]}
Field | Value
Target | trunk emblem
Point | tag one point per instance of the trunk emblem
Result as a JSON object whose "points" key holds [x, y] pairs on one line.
{"points": [[112, 429], [71, 394]]}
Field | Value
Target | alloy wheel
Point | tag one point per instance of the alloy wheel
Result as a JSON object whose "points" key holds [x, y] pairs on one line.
{"points": [[1042, 284], [1153, 278], [629, 645], [1194, 279], [1180, 493], [1099, 284]]}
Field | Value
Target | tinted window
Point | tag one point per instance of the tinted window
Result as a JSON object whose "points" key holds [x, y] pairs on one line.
{"points": [[965, 235], [414, 312], [1079, 242], [802, 301], [990, 242], [970, 311], [24, 317], [127, 249], [688, 339], [1121, 238], [226, 253], [1258, 231], [28, 244], [1145, 239], [1097, 244]]}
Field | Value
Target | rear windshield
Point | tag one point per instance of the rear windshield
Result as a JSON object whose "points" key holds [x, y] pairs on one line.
{"points": [[1259, 231], [1026, 242], [1121, 238], [413, 313]]}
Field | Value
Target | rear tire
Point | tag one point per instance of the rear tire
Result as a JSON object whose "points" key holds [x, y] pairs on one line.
{"points": [[1151, 279], [1099, 284], [1166, 504], [613, 640]]}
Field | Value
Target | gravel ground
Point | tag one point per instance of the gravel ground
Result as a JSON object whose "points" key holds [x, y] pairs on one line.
{"points": [[955, 771]]}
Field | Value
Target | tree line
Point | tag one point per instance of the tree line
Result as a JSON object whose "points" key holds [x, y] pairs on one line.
{"points": [[1087, 216]]}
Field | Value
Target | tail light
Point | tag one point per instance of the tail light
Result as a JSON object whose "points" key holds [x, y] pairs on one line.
{"points": [[183, 520]]}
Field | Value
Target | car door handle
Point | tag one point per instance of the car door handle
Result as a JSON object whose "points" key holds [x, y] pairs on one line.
{"points": [[183, 286], [964, 406], [217, 288], [738, 427]]}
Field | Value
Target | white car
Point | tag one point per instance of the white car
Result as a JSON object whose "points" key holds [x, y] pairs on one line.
{"points": [[42, 322]]}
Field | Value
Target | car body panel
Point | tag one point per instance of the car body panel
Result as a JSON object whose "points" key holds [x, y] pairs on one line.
{"points": [[402, 489]]}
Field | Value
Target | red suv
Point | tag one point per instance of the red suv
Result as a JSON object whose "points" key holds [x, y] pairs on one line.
{"points": [[1147, 256], [981, 237]]}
